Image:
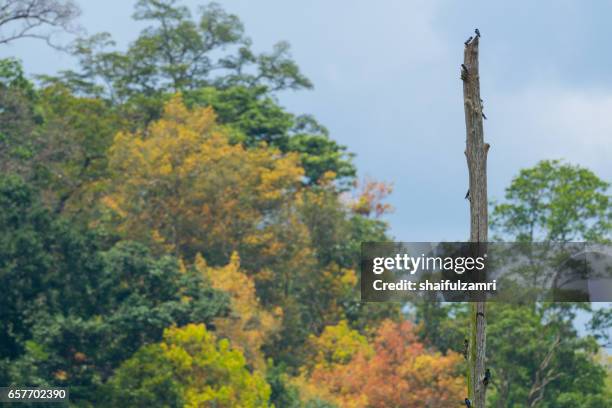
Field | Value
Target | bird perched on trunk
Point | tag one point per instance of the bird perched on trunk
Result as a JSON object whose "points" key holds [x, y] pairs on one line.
{"points": [[464, 72], [477, 31], [468, 41], [466, 346], [467, 195], [487, 377], [468, 403], [482, 109]]}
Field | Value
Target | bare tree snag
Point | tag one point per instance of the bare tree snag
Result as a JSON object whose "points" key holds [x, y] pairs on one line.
{"points": [[476, 154]]}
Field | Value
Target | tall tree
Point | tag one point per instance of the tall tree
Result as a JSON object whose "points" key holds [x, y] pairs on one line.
{"points": [[552, 202], [476, 153], [177, 53]]}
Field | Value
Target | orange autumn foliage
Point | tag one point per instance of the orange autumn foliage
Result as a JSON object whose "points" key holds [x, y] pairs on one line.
{"points": [[400, 373], [370, 198]]}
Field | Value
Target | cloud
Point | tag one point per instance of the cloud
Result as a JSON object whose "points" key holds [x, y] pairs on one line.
{"points": [[550, 121]]}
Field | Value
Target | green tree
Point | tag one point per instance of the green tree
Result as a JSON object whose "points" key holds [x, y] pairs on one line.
{"points": [[177, 53], [71, 163], [18, 119], [552, 202], [250, 110], [189, 368], [559, 202], [73, 311], [322, 156], [53, 138], [442, 325], [548, 364], [257, 115], [555, 201]]}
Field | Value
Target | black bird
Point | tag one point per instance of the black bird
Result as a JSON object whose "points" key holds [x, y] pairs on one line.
{"points": [[477, 31], [464, 72], [468, 403], [466, 346], [468, 41], [480, 314], [467, 197], [482, 109], [487, 377]]}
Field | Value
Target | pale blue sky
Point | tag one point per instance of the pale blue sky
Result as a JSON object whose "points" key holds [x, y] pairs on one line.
{"points": [[386, 77]]}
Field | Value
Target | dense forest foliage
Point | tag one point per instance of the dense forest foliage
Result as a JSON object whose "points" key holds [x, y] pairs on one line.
{"points": [[170, 235]]}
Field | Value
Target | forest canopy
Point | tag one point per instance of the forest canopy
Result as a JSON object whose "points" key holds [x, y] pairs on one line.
{"points": [[171, 235]]}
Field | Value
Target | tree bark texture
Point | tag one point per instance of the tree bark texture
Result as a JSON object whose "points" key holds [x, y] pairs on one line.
{"points": [[476, 154]]}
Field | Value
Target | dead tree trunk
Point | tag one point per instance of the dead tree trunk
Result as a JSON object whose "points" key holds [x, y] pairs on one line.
{"points": [[476, 154]]}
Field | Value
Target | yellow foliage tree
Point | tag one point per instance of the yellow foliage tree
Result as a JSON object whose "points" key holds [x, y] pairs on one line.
{"points": [[249, 325], [337, 344], [181, 186]]}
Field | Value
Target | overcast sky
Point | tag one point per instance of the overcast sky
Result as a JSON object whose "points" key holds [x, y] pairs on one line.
{"points": [[387, 85]]}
